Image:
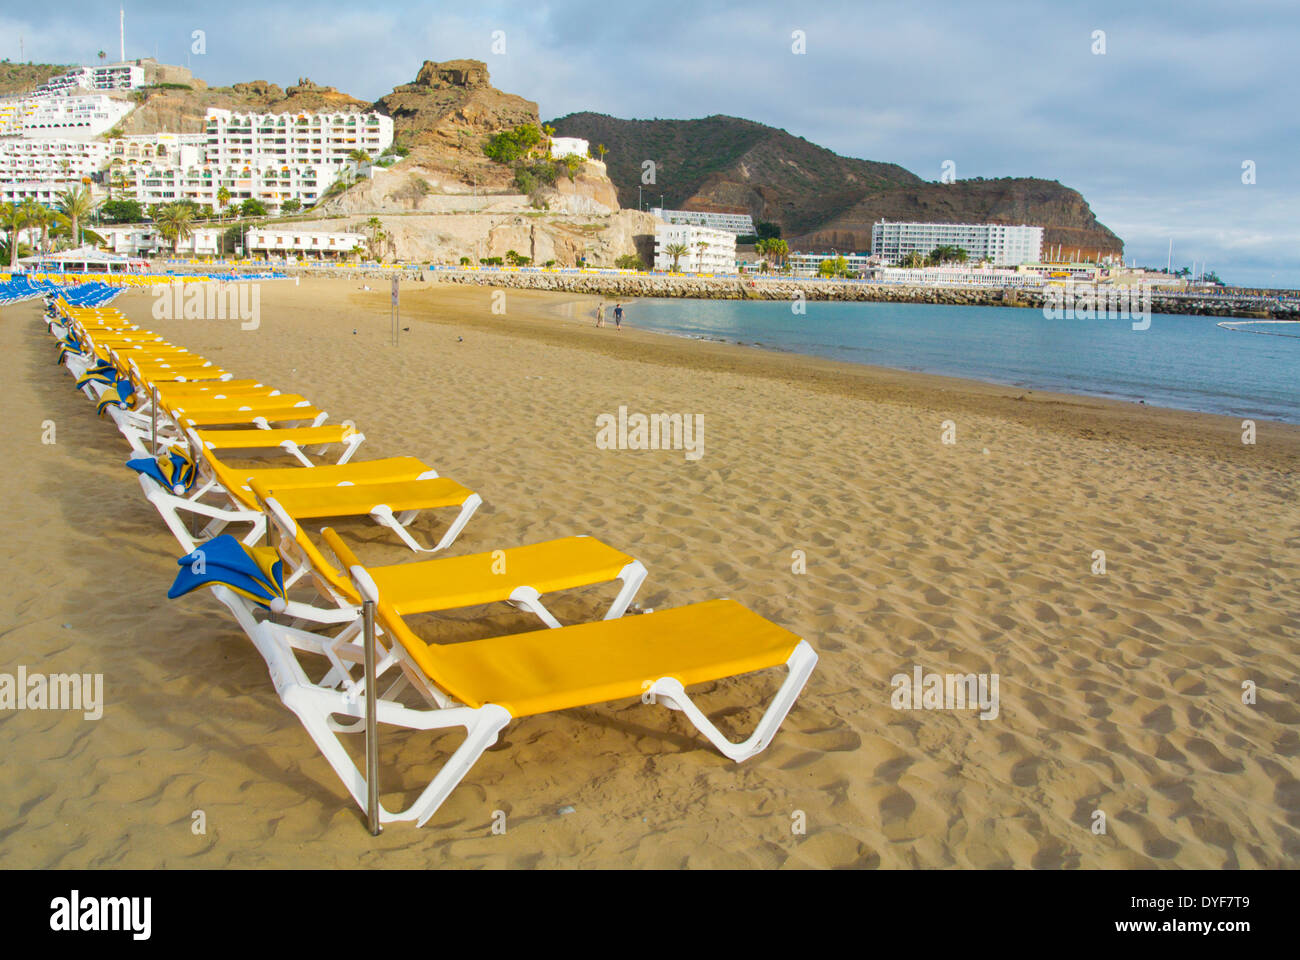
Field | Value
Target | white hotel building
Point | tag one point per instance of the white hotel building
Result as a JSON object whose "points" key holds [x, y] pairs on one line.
{"points": [[153, 149], [1005, 246], [108, 76], [707, 250], [562, 147], [143, 239], [304, 244], [737, 224], [267, 157], [40, 169], [75, 117], [286, 139]]}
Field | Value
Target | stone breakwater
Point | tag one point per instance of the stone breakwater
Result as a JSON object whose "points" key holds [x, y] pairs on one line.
{"points": [[1230, 303], [723, 288]]}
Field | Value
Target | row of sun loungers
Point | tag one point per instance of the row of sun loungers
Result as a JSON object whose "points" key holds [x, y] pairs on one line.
{"points": [[312, 606]]}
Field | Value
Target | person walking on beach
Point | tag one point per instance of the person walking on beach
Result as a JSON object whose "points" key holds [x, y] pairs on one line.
{"points": [[618, 317], [600, 314]]}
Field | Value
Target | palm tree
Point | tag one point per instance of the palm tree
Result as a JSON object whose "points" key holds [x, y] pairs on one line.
{"points": [[676, 251], [359, 156], [13, 218], [77, 205], [375, 226], [703, 245], [777, 248], [39, 215], [602, 150], [223, 198], [175, 223]]}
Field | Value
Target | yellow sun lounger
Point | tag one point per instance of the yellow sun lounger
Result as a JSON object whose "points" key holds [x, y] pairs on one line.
{"points": [[393, 505], [295, 441], [481, 685], [258, 414], [238, 504], [517, 575]]}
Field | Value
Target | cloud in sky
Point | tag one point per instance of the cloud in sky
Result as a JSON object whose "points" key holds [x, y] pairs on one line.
{"points": [[1153, 132]]}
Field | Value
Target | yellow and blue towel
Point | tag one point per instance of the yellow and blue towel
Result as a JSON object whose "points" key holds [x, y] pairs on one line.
{"points": [[120, 394], [174, 469], [254, 572]]}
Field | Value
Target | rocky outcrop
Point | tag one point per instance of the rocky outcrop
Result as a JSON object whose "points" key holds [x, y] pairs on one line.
{"points": [[453, 104]]}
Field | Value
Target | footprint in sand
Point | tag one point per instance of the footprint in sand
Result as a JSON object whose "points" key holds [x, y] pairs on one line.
{"points": [[1159, 720], [1209, 755]]}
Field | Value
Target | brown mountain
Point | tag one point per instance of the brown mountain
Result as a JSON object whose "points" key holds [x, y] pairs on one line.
{"points": [[819, 199], [1067, 219], [725, 163]]}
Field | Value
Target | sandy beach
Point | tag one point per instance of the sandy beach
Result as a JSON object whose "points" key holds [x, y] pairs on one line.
{"points": [[1120, 692]]}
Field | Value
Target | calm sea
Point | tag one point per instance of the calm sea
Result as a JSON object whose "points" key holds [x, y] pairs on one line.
{"points": [[1180, 361]]}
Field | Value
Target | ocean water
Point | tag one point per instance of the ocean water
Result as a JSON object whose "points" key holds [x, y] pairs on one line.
{"points": [[1184, 362]]}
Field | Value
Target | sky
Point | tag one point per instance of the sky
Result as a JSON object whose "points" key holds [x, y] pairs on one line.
{"points": [[1158, 119]]}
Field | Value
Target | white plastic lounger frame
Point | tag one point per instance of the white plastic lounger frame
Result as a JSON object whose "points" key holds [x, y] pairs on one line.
{"points": [[171, 506]]}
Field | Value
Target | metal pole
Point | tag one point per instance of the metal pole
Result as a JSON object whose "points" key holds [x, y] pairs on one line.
{"points": [[153, 417], [372, 732]]}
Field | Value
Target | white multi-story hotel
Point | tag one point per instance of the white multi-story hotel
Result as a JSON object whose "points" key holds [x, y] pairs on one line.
{"points": [[75, 117], [159, 149], [53, 159], [108, 76], [270, 158], [308, 244], [203, 184], [737, 224], [1001, 244], [707, 250], [42, 191], [808, 264], [143, 239], [286, 139], [562, 147]]}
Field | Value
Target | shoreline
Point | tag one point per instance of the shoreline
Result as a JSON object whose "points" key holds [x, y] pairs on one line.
{"points": [[571, 306], [1080, 415]]}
